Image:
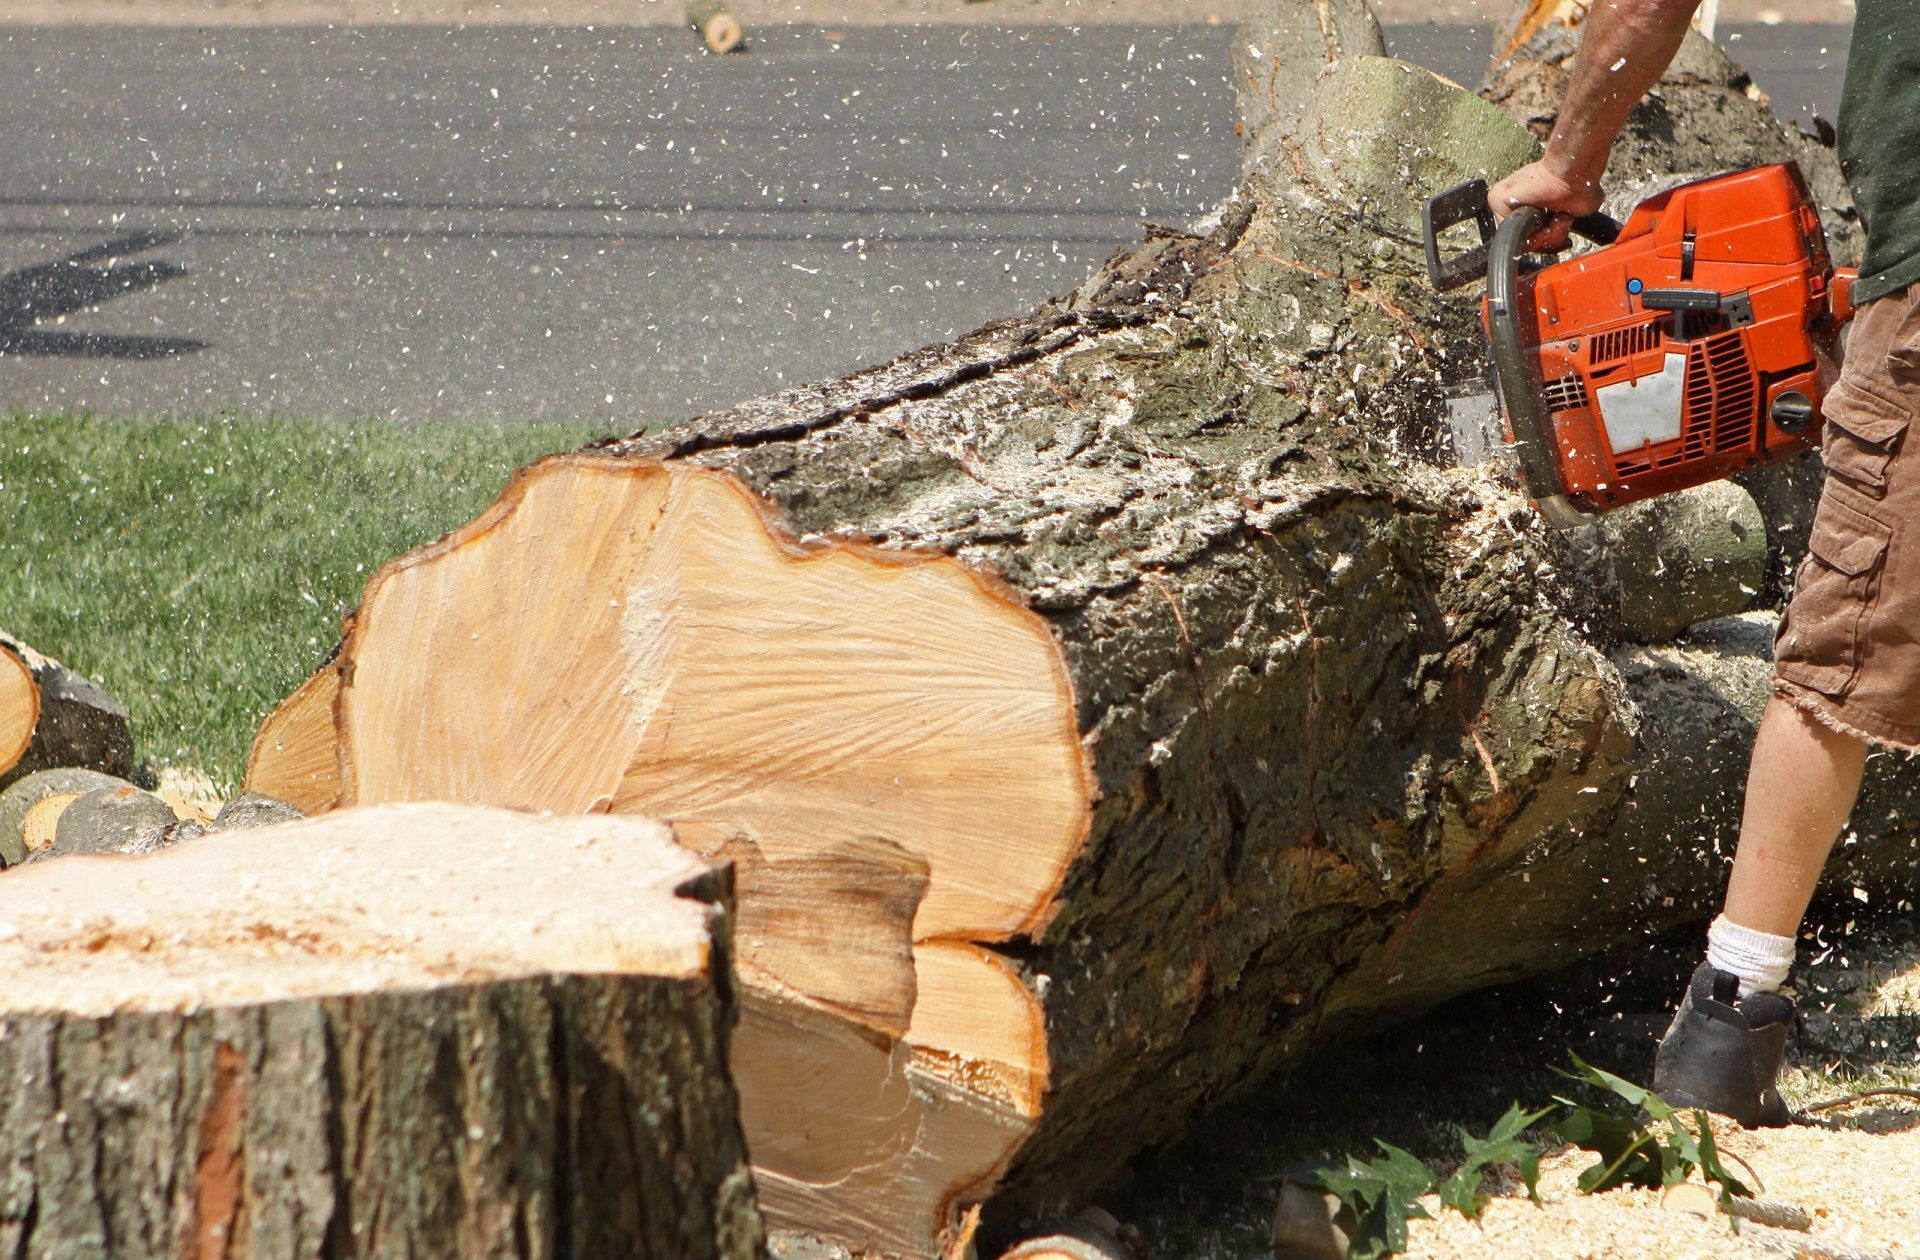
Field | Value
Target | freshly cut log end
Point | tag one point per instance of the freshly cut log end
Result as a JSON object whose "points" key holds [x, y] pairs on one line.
{"points": [[42, 821], [19, 708], [430, 1030], [673, 651], [295, 757], [720, 30], [885, 742], [76, 723]]}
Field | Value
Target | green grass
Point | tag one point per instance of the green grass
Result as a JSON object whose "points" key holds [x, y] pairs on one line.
{"points": [[199, 570]]}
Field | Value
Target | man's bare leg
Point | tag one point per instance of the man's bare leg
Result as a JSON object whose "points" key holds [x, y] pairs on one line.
{"points": [[1729, 1037], [1800, 789]]}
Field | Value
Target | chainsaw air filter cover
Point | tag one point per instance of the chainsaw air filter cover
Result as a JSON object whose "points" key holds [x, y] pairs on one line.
{"points": [[1685, 350]]}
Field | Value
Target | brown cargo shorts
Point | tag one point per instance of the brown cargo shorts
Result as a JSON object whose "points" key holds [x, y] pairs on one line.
{"points": [[1848, 648]]}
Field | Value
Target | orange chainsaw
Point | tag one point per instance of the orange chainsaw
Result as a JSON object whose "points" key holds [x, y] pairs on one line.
{"points": [[1680, 351]]}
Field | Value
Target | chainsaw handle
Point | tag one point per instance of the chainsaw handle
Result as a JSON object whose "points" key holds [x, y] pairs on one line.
{"points": [[1467, 203], [1516, 373], [1600, 228]]}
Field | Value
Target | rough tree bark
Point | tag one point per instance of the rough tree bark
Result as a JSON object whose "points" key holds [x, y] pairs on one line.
{"points": [[1131, 675], [69, 720], [424, 1030]]}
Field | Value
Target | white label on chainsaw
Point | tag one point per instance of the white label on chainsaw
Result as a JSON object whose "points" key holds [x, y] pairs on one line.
{"points": [[1646, 409]]}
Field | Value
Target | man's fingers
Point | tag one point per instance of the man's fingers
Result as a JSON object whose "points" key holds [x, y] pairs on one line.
{"points": [[1554, 237]]}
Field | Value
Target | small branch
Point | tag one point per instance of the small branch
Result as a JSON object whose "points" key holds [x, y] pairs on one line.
{"points": [[1889, 1091]]}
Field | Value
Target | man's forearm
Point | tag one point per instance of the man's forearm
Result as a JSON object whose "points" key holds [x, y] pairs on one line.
{"points": [[1625, 48]]}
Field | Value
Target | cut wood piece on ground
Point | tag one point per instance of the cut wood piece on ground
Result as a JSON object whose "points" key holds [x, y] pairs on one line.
{"points": [[253, 809], [717, 26], [120, 819], [1128, 642], [190, 793], [30, 808], [42, 821], [295, 756], [428, 1029], [885, 741], [1092, 1235], [76, 723], [19, 708]]}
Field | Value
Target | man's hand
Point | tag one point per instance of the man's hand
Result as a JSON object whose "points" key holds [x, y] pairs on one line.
{"points": [[1543, 184], [1625, 45]]}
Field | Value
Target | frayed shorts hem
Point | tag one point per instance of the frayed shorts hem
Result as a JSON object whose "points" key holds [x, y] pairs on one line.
{"points": [[1849, 721]]}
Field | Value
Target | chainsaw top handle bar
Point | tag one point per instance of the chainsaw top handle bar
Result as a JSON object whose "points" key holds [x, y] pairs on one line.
{"points": [[1516, 371], [1466, 203]]}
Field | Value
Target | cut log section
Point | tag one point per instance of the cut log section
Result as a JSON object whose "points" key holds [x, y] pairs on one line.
{"points": [[718, 28], [19, 708], [30, 808], [424, 1030], [1102, 709], [75, 722], [295, 757]]}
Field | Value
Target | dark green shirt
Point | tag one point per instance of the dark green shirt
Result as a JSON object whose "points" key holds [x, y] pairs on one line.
{"points": [[1880, 142]]}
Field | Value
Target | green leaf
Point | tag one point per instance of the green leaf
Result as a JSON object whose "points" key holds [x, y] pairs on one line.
{"points": [[1529, 1164], [1713, 1170], [1502, 1146], [1383, 1194], [1627, 1151], [1662, 1150]]}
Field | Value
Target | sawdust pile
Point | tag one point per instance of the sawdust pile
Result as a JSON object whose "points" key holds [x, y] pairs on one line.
{"points": [[1861, 1185], [1854, 1170]]}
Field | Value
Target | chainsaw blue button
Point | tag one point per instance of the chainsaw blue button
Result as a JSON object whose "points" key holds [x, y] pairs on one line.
{"points": [[1634, 286]]}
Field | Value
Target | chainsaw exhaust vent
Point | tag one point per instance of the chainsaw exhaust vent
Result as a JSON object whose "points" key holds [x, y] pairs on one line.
{"points": [[1566, 394], [1611, 347], [1736, 405]]}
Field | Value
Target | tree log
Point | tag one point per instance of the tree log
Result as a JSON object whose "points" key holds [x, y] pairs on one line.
{"points": [[73, 722], [422, 1030], [19, 708], [1278, 53], [1104, 708]]}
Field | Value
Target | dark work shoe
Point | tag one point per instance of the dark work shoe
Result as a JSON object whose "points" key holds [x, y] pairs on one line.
{"points": [[1723, 1052]]}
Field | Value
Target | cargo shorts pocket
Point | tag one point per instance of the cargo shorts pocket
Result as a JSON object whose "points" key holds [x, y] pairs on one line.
{"points": [[1863, 431], [1822, 636]]}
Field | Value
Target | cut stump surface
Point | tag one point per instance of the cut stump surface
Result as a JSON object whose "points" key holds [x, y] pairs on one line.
{"points": [[429, 1029]]}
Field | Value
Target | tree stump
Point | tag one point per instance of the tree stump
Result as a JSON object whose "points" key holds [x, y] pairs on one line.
{"points": [[425, 1030]]}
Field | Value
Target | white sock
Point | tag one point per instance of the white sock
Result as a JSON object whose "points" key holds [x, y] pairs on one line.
{"points": [[1760, 959]]}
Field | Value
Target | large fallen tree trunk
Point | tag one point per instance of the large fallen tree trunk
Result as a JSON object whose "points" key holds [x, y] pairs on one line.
{"points": [[421, 1030], [1102, 709]]}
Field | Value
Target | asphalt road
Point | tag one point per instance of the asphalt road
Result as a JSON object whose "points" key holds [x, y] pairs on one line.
{"points": [[514, 223]]}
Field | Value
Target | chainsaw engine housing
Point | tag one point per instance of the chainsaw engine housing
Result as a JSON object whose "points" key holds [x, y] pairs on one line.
{"points": [[1683, 351]]}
